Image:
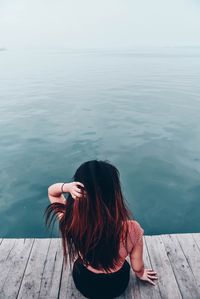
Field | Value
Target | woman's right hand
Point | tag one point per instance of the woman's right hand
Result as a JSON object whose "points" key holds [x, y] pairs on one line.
{"points": [[149, 275], [74, 188]]}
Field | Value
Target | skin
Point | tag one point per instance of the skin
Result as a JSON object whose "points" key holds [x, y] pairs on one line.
{"points": [[136, 255]]}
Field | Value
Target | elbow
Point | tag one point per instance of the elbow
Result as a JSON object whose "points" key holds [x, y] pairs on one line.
{"points": [[49, 190]]}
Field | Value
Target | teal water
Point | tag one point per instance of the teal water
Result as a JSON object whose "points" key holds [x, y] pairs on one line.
{"points": [[138, 109]]}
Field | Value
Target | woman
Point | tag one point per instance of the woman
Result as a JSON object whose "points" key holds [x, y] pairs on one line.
{"points": [[97, 231]]}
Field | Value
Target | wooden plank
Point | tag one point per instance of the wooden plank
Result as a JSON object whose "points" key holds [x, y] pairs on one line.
{"points": [[138, 288], [147, 290], [34, 269], [14, 268], [31, 282], [64, 282], [160, 263], [196, 237], [133, 290], [5, 250], [51, 277], [181, 268], [192, 254], [67, 287]]}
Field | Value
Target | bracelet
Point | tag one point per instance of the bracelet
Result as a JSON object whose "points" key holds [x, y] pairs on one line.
{"points": [[62, 188]]}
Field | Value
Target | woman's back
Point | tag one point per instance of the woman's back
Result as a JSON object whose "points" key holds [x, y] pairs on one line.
{"points": [[97, 231], [135, 233]]}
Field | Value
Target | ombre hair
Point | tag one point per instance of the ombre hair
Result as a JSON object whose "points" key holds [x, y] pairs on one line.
{"points": [[91, 227]]}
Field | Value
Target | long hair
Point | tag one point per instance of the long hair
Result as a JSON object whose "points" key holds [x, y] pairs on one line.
{"points": [[91, 226]]}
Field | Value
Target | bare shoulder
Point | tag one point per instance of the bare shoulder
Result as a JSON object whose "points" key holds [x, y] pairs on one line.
{"points": [[133, 224], [135, 230]]}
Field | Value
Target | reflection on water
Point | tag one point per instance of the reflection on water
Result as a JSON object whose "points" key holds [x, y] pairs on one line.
{"points": [[138, 110]]}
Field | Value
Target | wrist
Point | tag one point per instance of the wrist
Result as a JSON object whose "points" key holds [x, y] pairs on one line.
{"points": [[139, 273], [65, 187]]}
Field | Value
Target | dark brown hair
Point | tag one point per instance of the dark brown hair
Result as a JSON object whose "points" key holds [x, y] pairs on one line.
{"points": [[91, 226]]}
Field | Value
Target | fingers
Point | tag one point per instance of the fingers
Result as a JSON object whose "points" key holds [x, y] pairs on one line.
{"points": [[152, 276], [150, 281], [150, 270], [80, 184], [76, 196], [151, 273], [78, 192]]}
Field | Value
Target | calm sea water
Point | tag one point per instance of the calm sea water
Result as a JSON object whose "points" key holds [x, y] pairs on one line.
{"points": [[138, 109]]}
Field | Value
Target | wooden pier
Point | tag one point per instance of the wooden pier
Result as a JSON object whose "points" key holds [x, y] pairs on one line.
{"points": [[33, 268]]}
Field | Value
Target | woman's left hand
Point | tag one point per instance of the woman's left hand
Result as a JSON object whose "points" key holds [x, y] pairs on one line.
{"points": [[149, 275]]}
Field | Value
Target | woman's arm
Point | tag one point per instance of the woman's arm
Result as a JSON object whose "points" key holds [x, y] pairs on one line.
{"points": [[55, 191], [136, 258]]}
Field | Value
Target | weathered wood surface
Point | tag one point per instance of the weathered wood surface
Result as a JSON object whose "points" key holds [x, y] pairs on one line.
{"points": [[34, 268]]}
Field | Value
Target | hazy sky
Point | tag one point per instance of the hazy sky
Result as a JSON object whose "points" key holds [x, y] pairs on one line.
{"points": [[99, 24]]}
